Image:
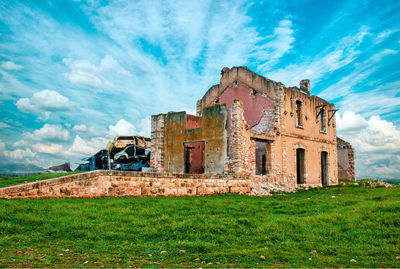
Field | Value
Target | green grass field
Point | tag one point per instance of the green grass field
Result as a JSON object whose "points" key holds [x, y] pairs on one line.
{"points": [[9, 181], [359, 223]]}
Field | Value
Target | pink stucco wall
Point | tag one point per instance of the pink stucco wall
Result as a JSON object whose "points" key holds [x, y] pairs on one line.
{"points": [[253, 105]]}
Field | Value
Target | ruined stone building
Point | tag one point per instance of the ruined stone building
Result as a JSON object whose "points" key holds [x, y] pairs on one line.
{"points": [[250, 125], [251, 135]]}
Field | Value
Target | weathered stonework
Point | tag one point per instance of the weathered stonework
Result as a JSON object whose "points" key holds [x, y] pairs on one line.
{"points": [[124, 183], [346, 154]]}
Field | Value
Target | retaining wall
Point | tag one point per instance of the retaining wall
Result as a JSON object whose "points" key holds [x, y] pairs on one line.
{"points": [[124, 183]]}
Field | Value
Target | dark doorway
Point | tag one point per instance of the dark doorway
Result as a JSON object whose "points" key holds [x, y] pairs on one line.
{"points": [[261, 157], [300, 165], [324, 170], [194, 157]]}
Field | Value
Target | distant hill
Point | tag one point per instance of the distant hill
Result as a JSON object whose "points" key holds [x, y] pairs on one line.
{"points": [[392, 180], [17, 168]]}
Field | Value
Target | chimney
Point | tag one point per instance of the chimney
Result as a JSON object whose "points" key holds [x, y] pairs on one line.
{"points": [[305, 86], [224, 70]]}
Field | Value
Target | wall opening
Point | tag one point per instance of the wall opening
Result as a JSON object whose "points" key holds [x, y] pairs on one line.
{"points": [[323, 120], [324, 170], [194, 157], [263, 159], [300, 165], [299, 118]]}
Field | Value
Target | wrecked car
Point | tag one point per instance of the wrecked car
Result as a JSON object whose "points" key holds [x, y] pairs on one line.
{"points": [[128, 153]]}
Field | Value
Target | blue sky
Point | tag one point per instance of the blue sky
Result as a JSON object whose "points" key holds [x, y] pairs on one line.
{"points": [[73, 74]]}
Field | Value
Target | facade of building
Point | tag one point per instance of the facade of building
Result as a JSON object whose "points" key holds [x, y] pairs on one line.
{"points": [[250, 125]]}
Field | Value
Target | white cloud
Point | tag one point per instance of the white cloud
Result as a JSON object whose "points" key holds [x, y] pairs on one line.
{"points": [[361, 73], [336, 56], [45, 101], [10, 65], [122, 128], [4, 125], [84, 73], [382, 99], [385, 34], [281, 43], [80, 128], [378, 57], [48, 148], [21, 143], [82, 148], [49, 132], [350, 121], [145, 125], [19, 154], [2, 146], [376, 142]]}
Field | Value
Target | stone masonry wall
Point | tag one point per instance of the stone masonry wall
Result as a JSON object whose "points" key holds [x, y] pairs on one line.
{"points": [[157, 143], [242, 151], [124, 183], [346, 155]]}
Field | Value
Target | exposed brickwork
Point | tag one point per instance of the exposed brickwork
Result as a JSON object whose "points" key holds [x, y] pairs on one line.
{"points": [[346, 155]]}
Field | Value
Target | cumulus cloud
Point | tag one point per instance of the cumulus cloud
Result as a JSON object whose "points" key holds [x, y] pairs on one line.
{"points": [[83, 72], [45, 101], [48, 148], [49, 132], [10, 65], [350, 121], [122, 128], [86, 147], [376, 141], [19, 154]]}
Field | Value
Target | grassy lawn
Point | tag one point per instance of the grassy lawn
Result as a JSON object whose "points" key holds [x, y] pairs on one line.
{"points": [[359, 223], [9, 181]]}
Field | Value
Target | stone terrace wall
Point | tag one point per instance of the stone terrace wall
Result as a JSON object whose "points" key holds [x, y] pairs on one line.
{"points": [[117, 183]]}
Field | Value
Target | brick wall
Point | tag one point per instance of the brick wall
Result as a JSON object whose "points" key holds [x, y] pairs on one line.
{"points": [[124, 183]]}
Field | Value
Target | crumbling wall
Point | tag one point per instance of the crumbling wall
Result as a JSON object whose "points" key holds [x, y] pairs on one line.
{"points": [[127, 183], [171, 131], [157, 143], [242, 148], [231, 78], [346, 164]]}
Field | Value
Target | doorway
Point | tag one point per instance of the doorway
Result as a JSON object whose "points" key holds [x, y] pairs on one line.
{"points": [[324, 170], [194, 157], [300, 165], [261, 157]]}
